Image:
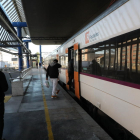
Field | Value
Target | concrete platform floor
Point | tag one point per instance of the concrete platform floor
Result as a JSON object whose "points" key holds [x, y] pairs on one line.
{"points": [[36, 116]]}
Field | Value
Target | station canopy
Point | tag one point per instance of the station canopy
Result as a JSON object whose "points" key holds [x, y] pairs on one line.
{"points": [[54, 21], [14, 11]]}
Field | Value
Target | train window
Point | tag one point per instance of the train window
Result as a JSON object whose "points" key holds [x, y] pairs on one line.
{"points": [[120, 61], [138, 63], [123, 58], [66, 60], [112, 58], [83, 50], [86, 62], [134, 48], [102, 46], [93, 62], [106, 59], [128, 57], [76, 60], [134, 39], [116, 64], [87, 50], [128, 41], [62, 61], [98, 63], [119, 58]]}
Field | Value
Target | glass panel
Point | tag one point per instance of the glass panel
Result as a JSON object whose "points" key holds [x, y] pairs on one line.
{"points": [[87, 62], [129, 41], [93, 63], [59, 59], [123, 58], [98, 63], [112, 58], [119, 58], [76, 60], [102, 46], [128, 57], [88, 50], [106, 59], [62, 60], [66, 60], [134, 48], [139, 59], [134, 39], [116, 59]]}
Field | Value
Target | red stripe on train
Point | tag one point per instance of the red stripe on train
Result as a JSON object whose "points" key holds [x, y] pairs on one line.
{"points": [[137, 86]]}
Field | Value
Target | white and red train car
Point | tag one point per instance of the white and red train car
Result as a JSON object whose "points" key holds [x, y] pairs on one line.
{"points": [[107, 63]]}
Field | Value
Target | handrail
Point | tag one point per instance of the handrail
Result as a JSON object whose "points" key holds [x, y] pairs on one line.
{"points": [[22, 74]]}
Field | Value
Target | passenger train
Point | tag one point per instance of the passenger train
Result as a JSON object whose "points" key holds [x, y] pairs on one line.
{"points": [[106, 55]]}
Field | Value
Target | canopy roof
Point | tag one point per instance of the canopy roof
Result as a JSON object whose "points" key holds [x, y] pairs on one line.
{"points": [[55, 21]]}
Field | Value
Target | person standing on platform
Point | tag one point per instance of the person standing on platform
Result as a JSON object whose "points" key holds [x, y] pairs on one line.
{"points": [[37, 65], [3, 88], [52, 71], [70, 72]]}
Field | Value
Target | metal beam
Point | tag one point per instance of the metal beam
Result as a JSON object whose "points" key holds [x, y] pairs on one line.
{"points": [[17, 10], [19, 24], [9, 46], [5, 23], [9, 41], [8, 51], [26, 40], [49, 38]]}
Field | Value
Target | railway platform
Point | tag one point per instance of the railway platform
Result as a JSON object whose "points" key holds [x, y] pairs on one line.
{"points": [[36, 116]]}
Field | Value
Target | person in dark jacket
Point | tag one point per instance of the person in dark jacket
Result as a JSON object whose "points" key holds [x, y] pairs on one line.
{"points": [[52, 71], [3, 88], [37, 65], [70, 72]]}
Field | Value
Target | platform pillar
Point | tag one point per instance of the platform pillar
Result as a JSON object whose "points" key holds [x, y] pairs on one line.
{"points": [[20, 50], [27, 46], [40, 56]]}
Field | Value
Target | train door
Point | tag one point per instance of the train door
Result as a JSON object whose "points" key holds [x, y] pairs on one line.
{"points": [[76, 69], [71, 69], [34, 64], [73, 64]]}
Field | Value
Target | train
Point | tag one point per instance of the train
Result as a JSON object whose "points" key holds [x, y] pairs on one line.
{"points": [[106, 61]]}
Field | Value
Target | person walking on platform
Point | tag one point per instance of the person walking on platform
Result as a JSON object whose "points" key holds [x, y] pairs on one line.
{"points": [[37, 65], [3, 88], [52, 71], [70, 72]]}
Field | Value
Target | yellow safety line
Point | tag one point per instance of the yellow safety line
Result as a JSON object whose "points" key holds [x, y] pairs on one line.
{"points": [[47, 117], [7, 98]]}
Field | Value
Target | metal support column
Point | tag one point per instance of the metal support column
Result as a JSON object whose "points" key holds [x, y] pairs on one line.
{"points": [[20, 50], [40, 56], [28, 65]]}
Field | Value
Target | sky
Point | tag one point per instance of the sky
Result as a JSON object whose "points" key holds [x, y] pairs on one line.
{"points": [[45, 48]]}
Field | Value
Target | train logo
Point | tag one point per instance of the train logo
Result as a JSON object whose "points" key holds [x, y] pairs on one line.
{"points": [[91, 38], [87, 37]]}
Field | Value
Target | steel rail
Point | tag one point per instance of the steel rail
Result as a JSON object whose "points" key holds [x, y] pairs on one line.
{"points": [[11, 30], [8, 51]]}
